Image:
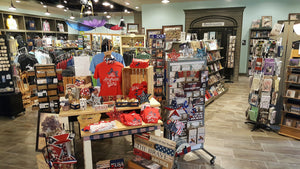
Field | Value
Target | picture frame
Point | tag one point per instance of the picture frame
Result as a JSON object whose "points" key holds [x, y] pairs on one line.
{"points": [[172, 32], [43, 130], [266, 21], [132, 28], [294, 16], [290, 93], [152, 32], [293, 78]]}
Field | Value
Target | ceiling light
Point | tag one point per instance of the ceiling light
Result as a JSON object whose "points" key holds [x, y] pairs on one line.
{"points": [[127, 3], [137, 7], [12, 7], [45, 6], [105, 12], [65, 1], [108, 16], [105, 3], [60, 5], [111, 6], [165, 1], [96, 1], [65, 10], [72, 17], [18, 1], [126, 10], [47, 12]]}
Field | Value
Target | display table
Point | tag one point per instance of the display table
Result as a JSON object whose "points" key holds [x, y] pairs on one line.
{"points": [[91, 110], [121, 129]]}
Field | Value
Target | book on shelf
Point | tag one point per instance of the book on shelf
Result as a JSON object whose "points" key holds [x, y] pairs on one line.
{"points": [[267, 84], [294, 62], [290, 93], [269, 66], [254, 99], [289, 122], [255, 82], [265, 102], [293, 78]]}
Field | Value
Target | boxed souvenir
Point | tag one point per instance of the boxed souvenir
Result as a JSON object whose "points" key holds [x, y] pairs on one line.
{"points": [[101, 107]]}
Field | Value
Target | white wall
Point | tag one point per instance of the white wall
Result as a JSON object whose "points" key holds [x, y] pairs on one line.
{"points": [[156, 15]]}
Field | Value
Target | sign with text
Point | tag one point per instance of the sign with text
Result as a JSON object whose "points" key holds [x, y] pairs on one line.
{"points": [[157, 149], [212, 24]]}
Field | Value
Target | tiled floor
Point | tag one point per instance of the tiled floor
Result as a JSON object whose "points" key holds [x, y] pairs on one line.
{"points": [[227, 137]]}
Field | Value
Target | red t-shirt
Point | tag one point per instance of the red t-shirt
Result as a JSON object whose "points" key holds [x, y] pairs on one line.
{"points": [[110, 76]]}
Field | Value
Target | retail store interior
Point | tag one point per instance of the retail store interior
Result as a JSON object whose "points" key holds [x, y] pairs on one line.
{"points": [[149, 84]]}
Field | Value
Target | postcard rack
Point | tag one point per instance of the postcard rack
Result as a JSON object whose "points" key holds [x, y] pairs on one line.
{"points": [[185, 97]]}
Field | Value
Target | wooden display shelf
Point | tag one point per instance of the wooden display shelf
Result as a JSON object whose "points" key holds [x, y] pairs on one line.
{"points": [[290, 131], [292, 82], [263, 37], [215, 82], [215, 97], [120, 127], [91, 110], [291, 98], [209, 62], [292, 113], [215, 72], [130, 47], [293, 66]]}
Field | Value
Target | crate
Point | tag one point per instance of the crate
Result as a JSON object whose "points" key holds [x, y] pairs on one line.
{"points": [[43, 99], [42, 87], [133, 75], [53, 98], [52, 86], [52, 92]]}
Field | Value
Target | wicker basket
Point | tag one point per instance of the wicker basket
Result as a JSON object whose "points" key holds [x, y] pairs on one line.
{"points": [[85, 120]]}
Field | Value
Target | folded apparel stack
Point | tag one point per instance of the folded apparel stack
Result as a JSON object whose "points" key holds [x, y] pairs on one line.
{"points": [[131, 119], [100, 126]]}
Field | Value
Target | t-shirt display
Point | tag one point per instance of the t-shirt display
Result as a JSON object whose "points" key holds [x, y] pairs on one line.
{"points": [[110, 76], [31, 25], [60, 27], [46, 26], [11, 23], [99, 58]]}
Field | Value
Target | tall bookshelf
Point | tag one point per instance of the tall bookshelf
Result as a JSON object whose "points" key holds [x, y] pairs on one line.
{"points": [[132, 42]]}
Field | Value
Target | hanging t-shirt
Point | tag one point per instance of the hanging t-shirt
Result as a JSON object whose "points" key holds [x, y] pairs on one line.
{"points": [[60, 27], [46, 25], [31, 25], [99, 58], [110, 76]]}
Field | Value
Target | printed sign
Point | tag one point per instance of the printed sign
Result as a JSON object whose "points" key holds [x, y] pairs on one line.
{"points": [[157, 149], [209, 24]]}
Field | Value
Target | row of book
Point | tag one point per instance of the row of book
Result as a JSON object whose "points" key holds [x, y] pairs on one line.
{"points": [[214, 79], [214, 91], [291, 122], [213, 55], [214, 67], [257, 34]]}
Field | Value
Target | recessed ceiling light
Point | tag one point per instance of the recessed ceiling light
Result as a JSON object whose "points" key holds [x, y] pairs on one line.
{"points": [[105, 12], [127, 3], [111, 6], [45, 6], [65, 10], [165, 1], [126, 10], [108, 16], [65, 1], [96, 1], [137, 7], [18, 1], [105, 3]]}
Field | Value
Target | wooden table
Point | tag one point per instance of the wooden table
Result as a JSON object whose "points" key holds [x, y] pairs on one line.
{"points": [[121, 129]]}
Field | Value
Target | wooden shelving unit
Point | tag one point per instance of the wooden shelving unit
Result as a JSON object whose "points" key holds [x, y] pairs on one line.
{"points": [[132, 42], [23, 28], [289, 117]]}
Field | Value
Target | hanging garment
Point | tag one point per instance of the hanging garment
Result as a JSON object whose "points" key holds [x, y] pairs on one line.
{"points": [[46, 25], [11, 23], [60, 27], [99, 58], [26, 60], [31, 25], [110, 76]]}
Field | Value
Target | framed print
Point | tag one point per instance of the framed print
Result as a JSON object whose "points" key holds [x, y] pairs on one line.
{"points": [[266, 21], [172, 32], [49, 124], [132, 28], [294, 16], [152, 32]]}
